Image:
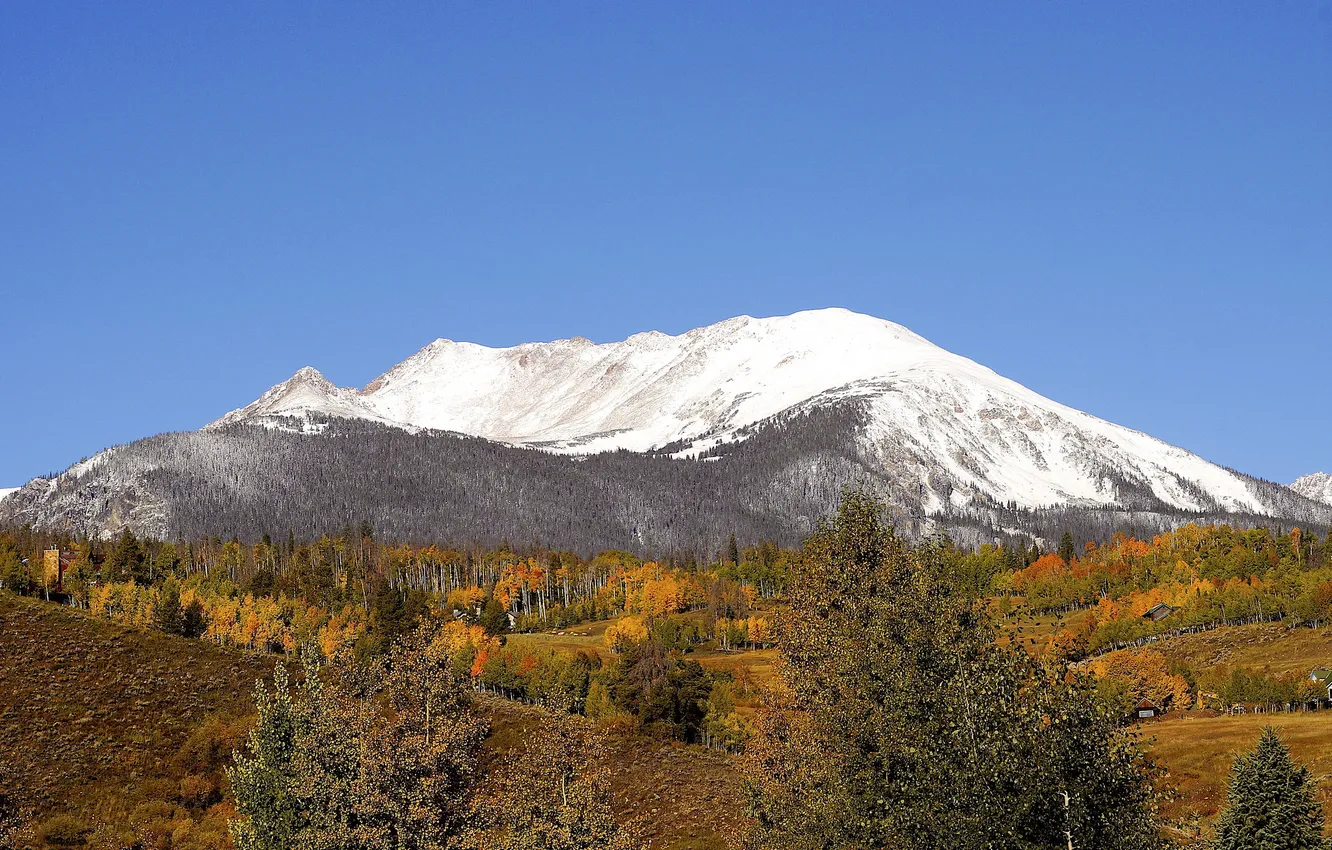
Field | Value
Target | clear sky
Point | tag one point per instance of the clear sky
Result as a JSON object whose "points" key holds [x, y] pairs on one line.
{"points": [[1126, 207]]}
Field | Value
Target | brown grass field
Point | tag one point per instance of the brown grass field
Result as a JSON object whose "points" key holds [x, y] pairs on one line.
{"points": [[752, 668], [1197, 748], [1264, 646], [92, 716], [1197, 751]]}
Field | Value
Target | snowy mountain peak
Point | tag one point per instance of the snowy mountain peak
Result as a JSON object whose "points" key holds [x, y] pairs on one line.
{"points": [[952, 430], [1316, 486], [304, 393]]}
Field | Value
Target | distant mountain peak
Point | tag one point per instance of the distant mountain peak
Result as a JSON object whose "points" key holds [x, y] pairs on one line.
{"points": [[305, 393], [793, 409], [1316, 486]]}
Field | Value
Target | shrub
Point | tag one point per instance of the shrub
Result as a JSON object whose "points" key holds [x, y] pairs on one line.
{"points": [[63, 831]]}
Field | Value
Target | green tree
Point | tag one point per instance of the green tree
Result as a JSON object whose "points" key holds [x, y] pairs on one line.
{"points": [[1270, 804], [552, 794], [127, 560], [262, 778], [1066, 548], [900, 722], [380, 755], [167, 613], [14, 574], [494, 619], [733, 551], [192, 621]]}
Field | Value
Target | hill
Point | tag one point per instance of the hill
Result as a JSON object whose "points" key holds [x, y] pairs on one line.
{"points": [[1198, 747], [98, 719], [127, 728]]}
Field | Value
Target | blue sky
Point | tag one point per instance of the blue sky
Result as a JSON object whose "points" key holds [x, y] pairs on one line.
{"points": [[1126, 207]]}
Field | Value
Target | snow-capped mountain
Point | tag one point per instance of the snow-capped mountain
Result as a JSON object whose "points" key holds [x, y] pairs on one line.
{"points": [[5, 491], [956, 428], [1317, 486], [753, 427]]}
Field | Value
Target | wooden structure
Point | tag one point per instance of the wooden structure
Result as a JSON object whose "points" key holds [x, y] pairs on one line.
{"points": [[1146, 710], [1158, 611], [55, 563]]}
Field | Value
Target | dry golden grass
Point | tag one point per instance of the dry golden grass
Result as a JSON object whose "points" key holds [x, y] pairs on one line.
{"points": [[1198, 747], [685, 797], [584, 637], [752, 668], [1033, 631], [92, 714], [1264, 646], [1197, 750]]}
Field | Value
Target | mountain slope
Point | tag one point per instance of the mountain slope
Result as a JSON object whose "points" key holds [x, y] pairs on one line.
{"points": [[432, 486], [1317, 486], [752, 426], [965, 431]]}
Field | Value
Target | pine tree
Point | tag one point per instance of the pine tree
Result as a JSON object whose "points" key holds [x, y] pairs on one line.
{"points": [[192, 621], [167, 613], [1066, 549], [733, 551], [1270, 804]]}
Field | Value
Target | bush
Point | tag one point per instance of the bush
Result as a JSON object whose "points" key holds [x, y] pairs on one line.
{"points": [[63, 831], [198, 792]]}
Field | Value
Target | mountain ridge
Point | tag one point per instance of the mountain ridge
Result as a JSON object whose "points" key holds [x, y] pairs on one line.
{"points": [[1316, 486], [702, 388], [782, 412]]}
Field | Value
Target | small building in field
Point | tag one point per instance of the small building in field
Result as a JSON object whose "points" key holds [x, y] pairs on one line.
{"points": [[1146, 710], [1158, 611], [1323, 676]]}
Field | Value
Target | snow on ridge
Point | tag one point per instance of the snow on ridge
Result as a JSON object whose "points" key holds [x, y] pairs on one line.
{"points": [[304, 393], [5, 491], [648, 390], [1316, 486], [706, 385]]}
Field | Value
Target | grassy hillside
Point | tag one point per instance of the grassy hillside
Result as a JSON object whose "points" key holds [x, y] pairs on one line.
{"points": [[104, 723], [687, 798], [1197, 747], [97, 720], [1262, 646], [1198, 750], [751, 668]]}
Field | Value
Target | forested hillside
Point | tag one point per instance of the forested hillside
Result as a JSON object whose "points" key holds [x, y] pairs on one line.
{"points": [[245, 480]]}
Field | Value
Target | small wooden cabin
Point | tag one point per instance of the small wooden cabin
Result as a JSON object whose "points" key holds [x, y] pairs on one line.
{"points": [[1158, 611], [1146, 710]]}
